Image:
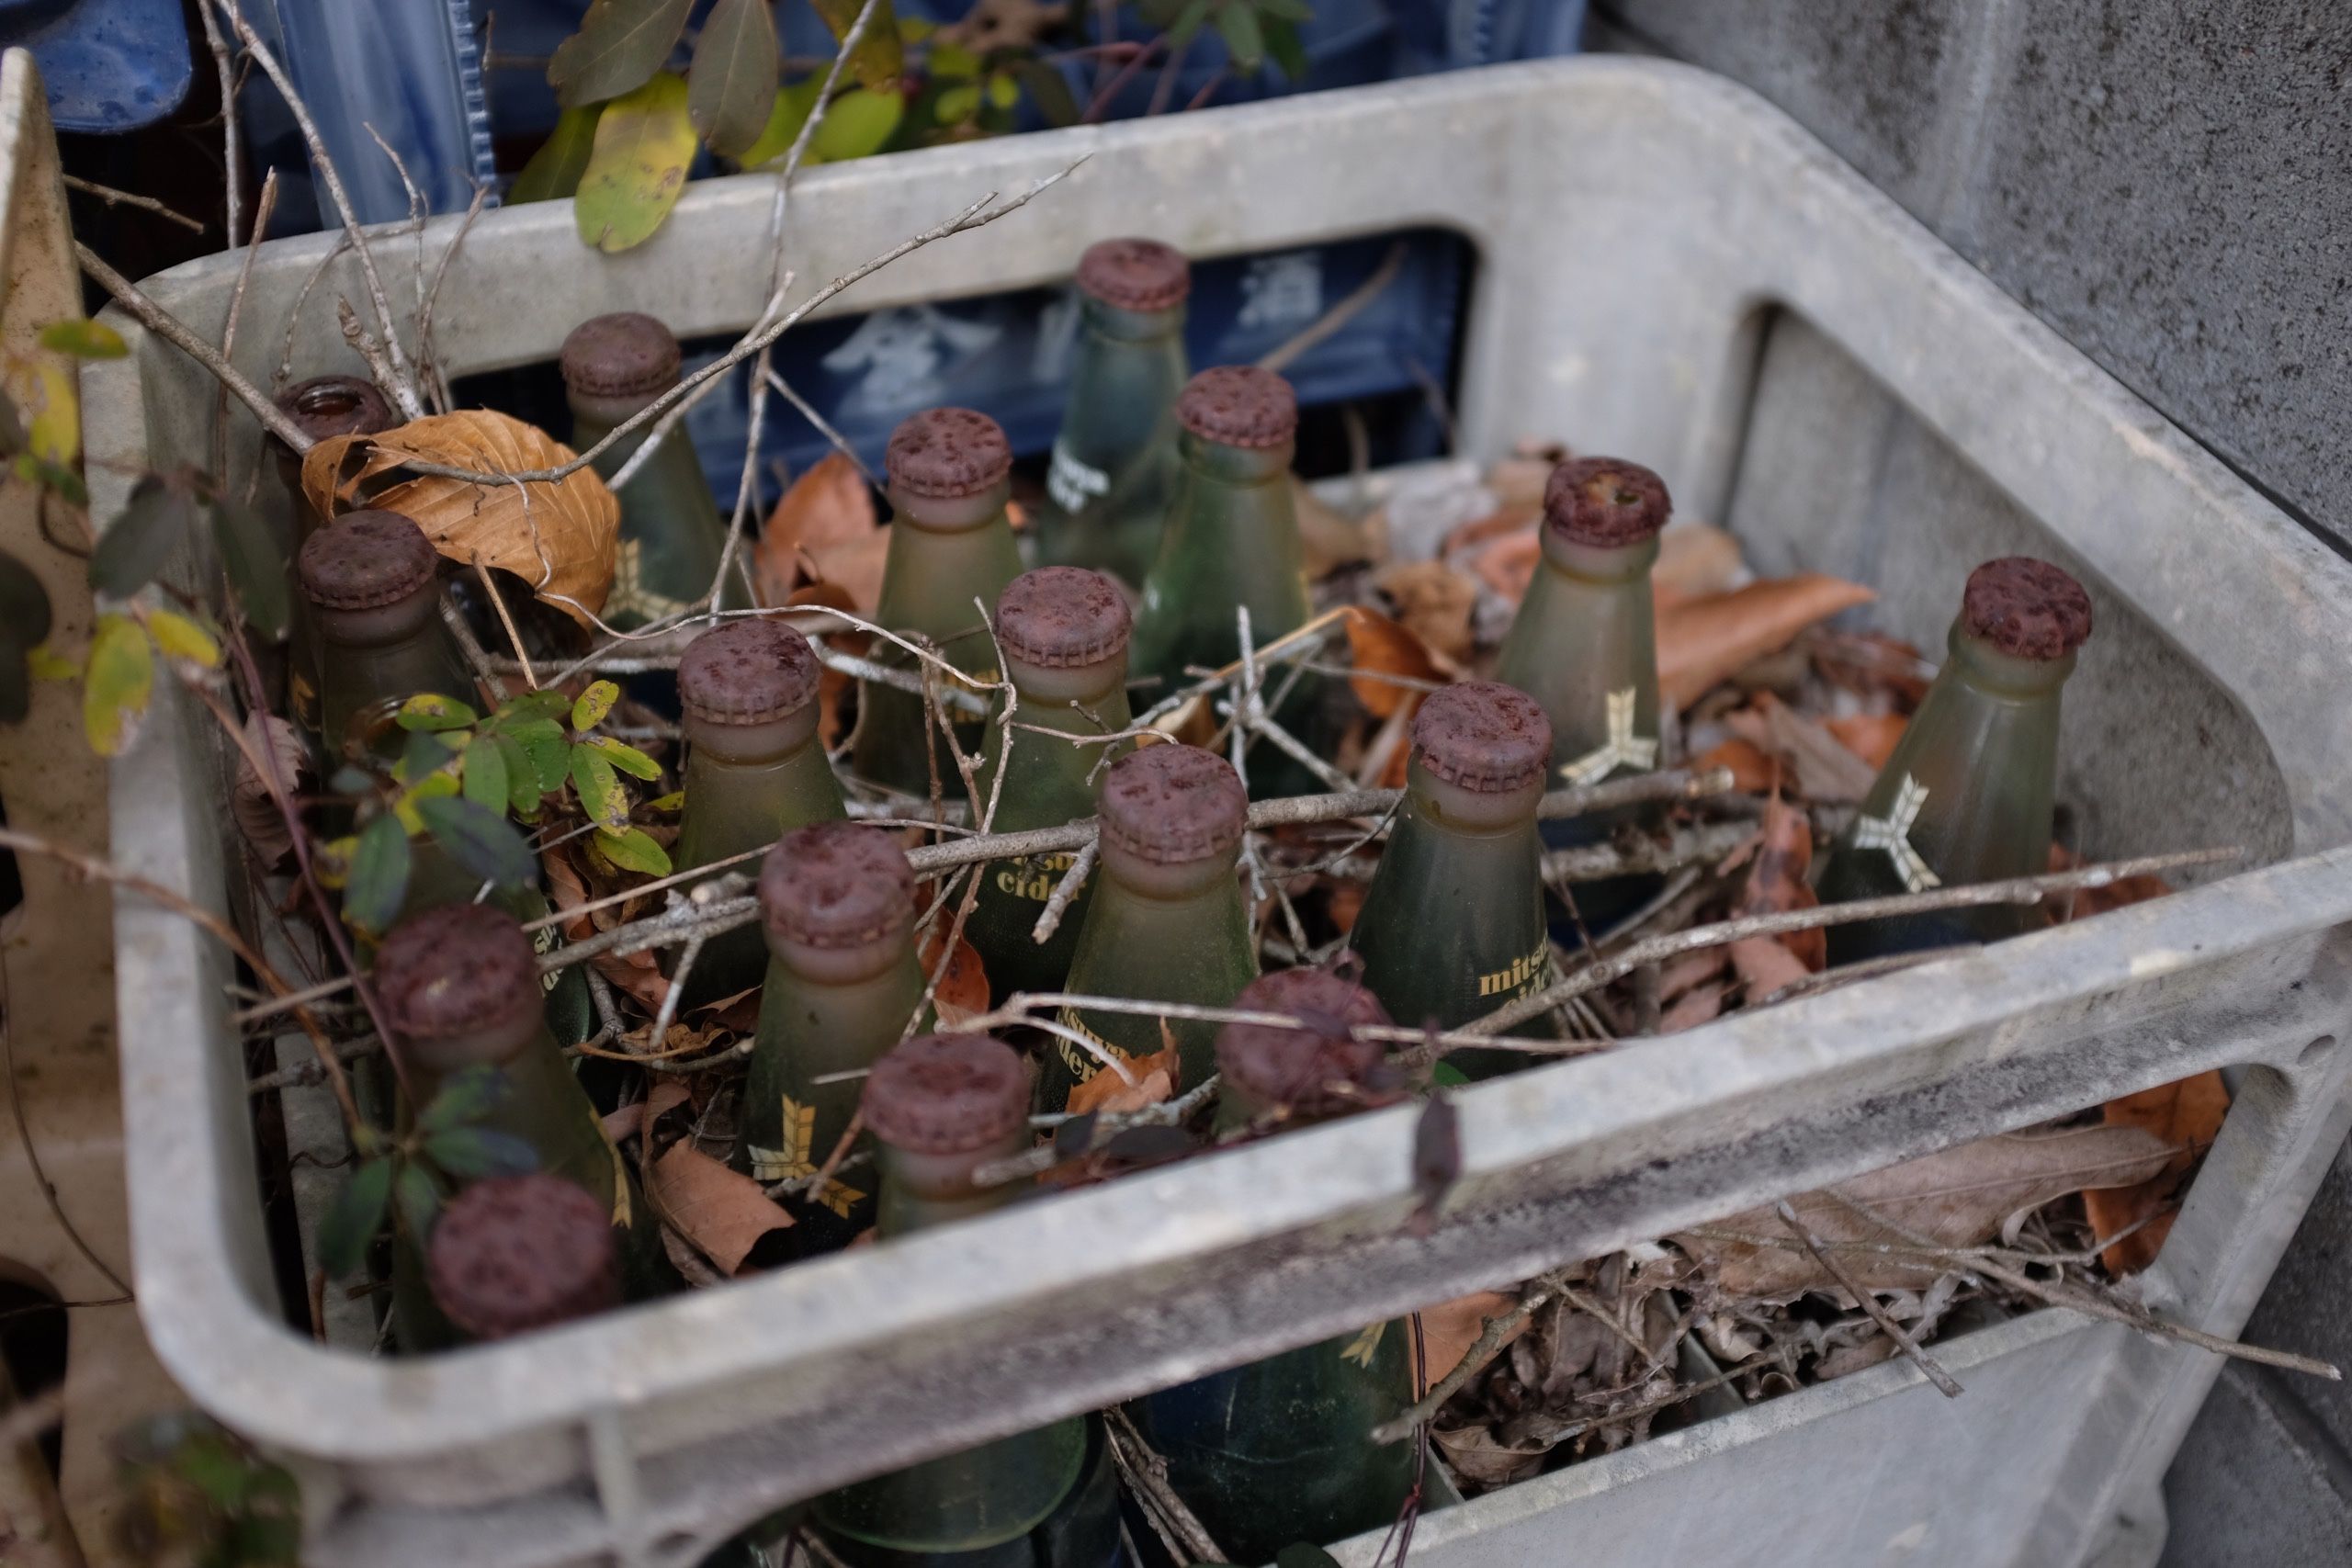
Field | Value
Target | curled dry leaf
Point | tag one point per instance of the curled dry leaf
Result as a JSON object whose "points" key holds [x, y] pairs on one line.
{"points": [[722, 1211], [1695, 561], [665, 1095], [1870, 736], [824, 530], [256, 812], [964, 989], [1956, 1198], [1701, 641], [2186, 1114], [1450, 1328], [1778, 881], [1700, 1004], [1478, 1457], [1434, 602], [560, 538], [638, 974], [1329, 537], [1751, 770], [1377, 643], [1816, 765]]}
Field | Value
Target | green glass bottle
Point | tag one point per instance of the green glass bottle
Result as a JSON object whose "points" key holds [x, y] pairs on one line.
{"points": [[321, 407], [1063, 632], [1167, 923], [1454, 925], [372, 582], [950, 545], [1232, 540], [837, 908], [747, 692], [940, 1107], [458, 986], [1115, 461], [1968, 794], [513, 1253], [1585, 647], [1280, 1450], [672, 534]]}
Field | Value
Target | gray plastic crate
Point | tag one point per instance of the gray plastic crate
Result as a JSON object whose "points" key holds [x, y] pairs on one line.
{"points": [[1656, 245]]}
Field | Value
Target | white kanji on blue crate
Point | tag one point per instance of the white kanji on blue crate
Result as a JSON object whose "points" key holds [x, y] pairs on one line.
{"points": [[902, 356], [1280, 290]]}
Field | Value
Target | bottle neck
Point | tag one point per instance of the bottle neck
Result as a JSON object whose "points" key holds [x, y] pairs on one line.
{"points": [[1238, 467], [594, 418], [1179, 882], [956, 514], [923, 1190], [431, 1061], [1601, 566], [761, 745], [1051, 781], [1101, 321], [842, 969], [381, 626], [1450, 808]]}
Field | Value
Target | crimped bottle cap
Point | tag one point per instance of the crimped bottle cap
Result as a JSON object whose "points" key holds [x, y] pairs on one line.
{"points": [[1063, 617], [836, 884], [947, 453], [324, 406], [947, 1094], [1170, 804], [515, 1253], [1308, 1071], [1240, 405], [457, 969], [1483, 735], [1134, 273], [365, 560], [625, 355], [747, 671], [2027, 608], [1605, 501]]}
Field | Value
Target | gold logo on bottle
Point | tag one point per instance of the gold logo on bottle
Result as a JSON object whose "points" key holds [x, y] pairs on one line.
{"points": [[1622, 748], [1365, 1346], [792, 1162], [1083, 1064], [1524, 973], [629, 596], [1033, 876]]}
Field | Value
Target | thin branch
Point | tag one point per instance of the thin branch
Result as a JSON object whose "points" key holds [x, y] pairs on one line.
{"points": [[172, 330], [1049, 918], [808, 410], [226, 72], [1340, 314], [1491, 1334], [114, 198], [267, 209], [1946, 1384]]}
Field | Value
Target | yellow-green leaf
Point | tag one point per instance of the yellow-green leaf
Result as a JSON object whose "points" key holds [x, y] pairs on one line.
{"points": [[331, 860], [84, 339], [958, 103], [433, 786], [1003, 92], [952, 62], [47, 664], [789, 113], [732, 84], [594, 705], [433, 712], [180, 638], [858, 123], [627, 758], [56, 430], [121, 678], [601, 794], [634, 850], [555, 169], [638, 167], [673, 801], [880, 58]]}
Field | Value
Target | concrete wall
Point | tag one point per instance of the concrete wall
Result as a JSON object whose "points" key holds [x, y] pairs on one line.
{"points": [[2167, 183]]}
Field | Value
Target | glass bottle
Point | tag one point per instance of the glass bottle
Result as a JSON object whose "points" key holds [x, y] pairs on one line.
{"points": [[516, 1253], [1232, 540], [1968, 794], [747, 692], [950, 545], [1167, 922], [1454, 925], [371, 581], [321, 407], [837, 908], [1063, 632], [672, 534], [1584, 646], [1115, 461], [1280, 1450], [458, 986], [940, 1107]]}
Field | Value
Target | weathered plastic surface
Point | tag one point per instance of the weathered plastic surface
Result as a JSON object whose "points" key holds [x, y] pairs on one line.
{"points": [[1638, 223]]}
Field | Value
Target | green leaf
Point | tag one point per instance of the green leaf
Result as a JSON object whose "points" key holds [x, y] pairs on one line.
{"points": [[1049, 92], [1188, 22], [958, 103], [732, 84], [860, 123], [953, 63], [352, 1220], [601, 794], [548, 702], [425, 753], [1282, 42], [594, 705], [483, 770], [1284, 10], [672, 802], [644, 143], [480, 840], [1003, 92], [627, 758], [620, 43], [634, 850], [522, 778], [419, 1197], [36, 469], [1446, 1075], [136, 545], [1238, 24], [121, 678], [785, 117], [555, 169], [84, 340], [180, 638], [434, 711], [470, 1154], [24, 604], [467, 1095], [255, 565], [880, 59], [378, 881], [542, 740]]}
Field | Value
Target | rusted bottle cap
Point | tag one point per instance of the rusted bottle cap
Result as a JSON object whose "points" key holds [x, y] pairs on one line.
{"points": [[1483, 735], [1605, 501], [1311, 1071], [947, 1094], [1134, 273], [515, 1253], [625, 355], [947, 453], [2027, 608], [1170, 804], [363, 560], [747, 672], [326, 406], [457, 969], [1240, 405], [1063, 617], [836, 884]]}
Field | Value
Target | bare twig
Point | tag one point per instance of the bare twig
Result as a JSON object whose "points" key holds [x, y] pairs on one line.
{"points": [[172, 330], [1491, 1334], [225, 72], [1146, 1475], [1338, 315], [114, 198], [1946, 1384], [1049, 918], [236, 312]]}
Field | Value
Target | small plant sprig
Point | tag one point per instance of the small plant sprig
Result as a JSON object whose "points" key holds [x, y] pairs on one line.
{"points": [[409, 1176], [197, 1495]]}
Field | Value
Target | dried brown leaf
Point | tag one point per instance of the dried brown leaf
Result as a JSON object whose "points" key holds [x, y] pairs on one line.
{"points": [[637, 974], [2085, 902], [964, 990], [722, 1211], [828, 513], [2186, 1114], [1870, 736], [1450, 1328], [1479, 1457], [1695, 561], [1817, 767], [1156, 1076], [1700, 1004], [1751, 770], [666, 1095], [257, 811], [1765, 966], [1375, 642], [1434, 602], [1701, 641], [1330, 537], [1779, 881]]}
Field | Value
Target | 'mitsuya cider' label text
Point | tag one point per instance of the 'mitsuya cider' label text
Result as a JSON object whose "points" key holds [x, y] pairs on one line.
{"points": [[1529, 972], [1074, 484], [1033, 876], [1083, 1064]]}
